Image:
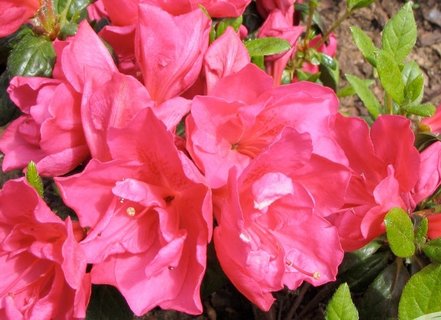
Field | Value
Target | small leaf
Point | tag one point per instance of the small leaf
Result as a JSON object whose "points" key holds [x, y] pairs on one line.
{"points": [[341, 306], [266, 46], [358, 4], [34, 179], [432, 249], [32, 56], [400, 34], [235, 23], [399, 232], [329, 72], [383, 295], [414, 83], [364, 44], [421, 231], [424, 110], [390, 76], [76, 10], [422, 294], [361, 87], [430, 316]]}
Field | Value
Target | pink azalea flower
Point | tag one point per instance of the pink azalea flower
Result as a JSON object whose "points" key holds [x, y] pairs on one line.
{"points": [[14, 13], [50, 131], [170, 50], [286, 8], [270, 230], [149, 215], [388, 172], [225, 56], [277, 25], [241, 118], [43, 266]]}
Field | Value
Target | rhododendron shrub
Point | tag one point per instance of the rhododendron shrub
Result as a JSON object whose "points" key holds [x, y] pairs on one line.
{"points": [[43, 265], [179, 146]]}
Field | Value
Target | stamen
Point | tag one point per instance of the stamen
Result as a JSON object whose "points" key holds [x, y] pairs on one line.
{"points": [[131, 211]]}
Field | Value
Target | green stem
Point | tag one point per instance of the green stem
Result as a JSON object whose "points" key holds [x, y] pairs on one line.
{"points": [[389, 104], [298, 301], [333, 28]]}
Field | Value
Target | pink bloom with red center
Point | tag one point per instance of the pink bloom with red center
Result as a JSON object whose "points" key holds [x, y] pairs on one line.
{"points": [[50, 131], [277, 25], [149, 215], [170, 50], [270, 230], [388, 172], [241, 118], [43, 266], [14, 13]]}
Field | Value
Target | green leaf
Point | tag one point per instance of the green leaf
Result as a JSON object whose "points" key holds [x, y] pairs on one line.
{"points": [[364, 44], [329, 72], [399, 232], [266, 46], [259, 61], [34, 179], [75, 9], [424, 110], [400, 34], [413, 83], [32, 56], [430, 316], [422, 294], [235, 23], [421, 231], [390, 76], [106, 303], [361, 87], [341, 306], [358, 4], [381, 299], [432, 249]]}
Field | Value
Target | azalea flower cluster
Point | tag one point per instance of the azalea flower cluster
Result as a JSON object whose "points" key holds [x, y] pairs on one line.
{"points": [[273, 174]]}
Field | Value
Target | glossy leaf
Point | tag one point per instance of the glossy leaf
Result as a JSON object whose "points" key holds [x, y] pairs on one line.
{"points": [[424, 110], [432, 249], [75, 9], [329, 72], [383, 295], [400, 34], [361, 87], [364, 44], [341, 306], [422, 294], [34, 179], [399, 231], [390, 76], [32, 56], [266, 46]]}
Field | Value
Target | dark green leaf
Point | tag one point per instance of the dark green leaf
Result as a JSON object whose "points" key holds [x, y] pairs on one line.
{"points": [[390, 76], [358, 4], [400, 34], [329, 72], [341, 306], [106, 303], [8, 110], [399, 232], [381, 298], [306, 76], [421, 231], [413, 83], [364, 44], [361, 87], [422, 294], [34, 179], [432, 249], [32, 56], [267, 46], [424, 110]]}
